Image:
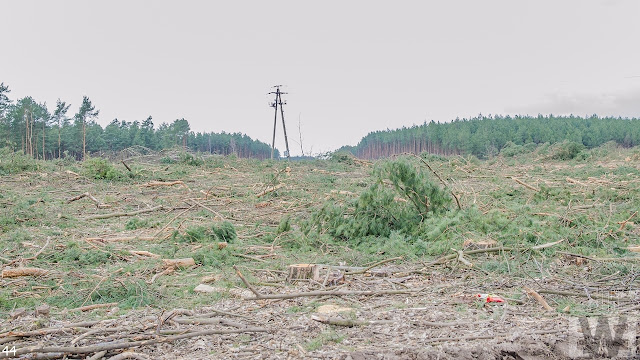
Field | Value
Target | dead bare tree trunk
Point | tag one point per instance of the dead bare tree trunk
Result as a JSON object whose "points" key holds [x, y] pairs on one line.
{"points": [[59, 138], [300, 134], [84, 139], [43, 130], [32, 148]]}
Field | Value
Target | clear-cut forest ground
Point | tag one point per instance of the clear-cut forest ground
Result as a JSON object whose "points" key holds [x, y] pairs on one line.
{"points": [[86, 250]]}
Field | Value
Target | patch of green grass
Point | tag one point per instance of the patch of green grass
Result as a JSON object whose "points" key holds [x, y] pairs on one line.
{"points": [[137, 223], [213, 257], [324, 338], [73, 254], [16, 162]]}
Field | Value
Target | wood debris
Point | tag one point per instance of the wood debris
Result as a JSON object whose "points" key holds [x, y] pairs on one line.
{"points": [[269, 190], [23, 271], [178, 263]]}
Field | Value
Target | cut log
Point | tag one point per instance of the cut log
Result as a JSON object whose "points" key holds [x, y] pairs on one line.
{"points": [[142, 253], [574, 181], [23, 271], [634, 248], [124, 238], [525, 184], [176, 263], [303, 271], [165, 183], [94, 306]]}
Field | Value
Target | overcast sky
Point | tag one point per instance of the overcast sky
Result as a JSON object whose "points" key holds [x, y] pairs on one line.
{"points": [[350, 67]]}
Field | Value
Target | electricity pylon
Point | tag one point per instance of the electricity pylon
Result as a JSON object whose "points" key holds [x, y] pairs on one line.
{"points": [[278, 102]]}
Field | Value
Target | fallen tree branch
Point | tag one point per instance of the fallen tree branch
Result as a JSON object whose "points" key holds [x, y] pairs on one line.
{"points": [[97, 356], [637, 307], [483, 337], [221, 312], [544, 246], [119, 214], [576, 255], [333, 293], [594, 296], [208, 208], [98, 203], [129, 355], [39, 251], [574, 181], [126, 166], [446, 258], [80, 325], [249, 257], [166, 183], [269, 190], [258, 295], [94, 306], [538, 298], [349, 322], [9, 339], [624, 223], [143, 253], [461, 257], [372, 266], [628, 258], [125, 344], [123, 238], [525, 184], [170, 221], [47, 331], [166, 271], [98, 331]]}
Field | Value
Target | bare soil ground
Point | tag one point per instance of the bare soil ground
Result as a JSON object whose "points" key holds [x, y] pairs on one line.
{"points": [[416, 308]]}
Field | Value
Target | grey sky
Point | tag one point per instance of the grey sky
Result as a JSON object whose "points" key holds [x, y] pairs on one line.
{"points": [[350, 66]]}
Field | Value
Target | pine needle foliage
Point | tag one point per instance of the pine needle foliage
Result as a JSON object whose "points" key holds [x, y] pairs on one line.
{"points": [[224, 231], [399, 200], [426, 196], [99, 168]]}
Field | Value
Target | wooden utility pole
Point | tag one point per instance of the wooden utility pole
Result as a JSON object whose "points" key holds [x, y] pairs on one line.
{"points": [[278, 102]]}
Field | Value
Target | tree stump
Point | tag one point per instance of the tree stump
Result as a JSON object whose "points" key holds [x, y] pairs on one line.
{"points": [[303, 271]]}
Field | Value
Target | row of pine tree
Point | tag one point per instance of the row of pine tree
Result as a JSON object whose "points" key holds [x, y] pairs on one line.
{"points": [[485, 136], [29, 126]]}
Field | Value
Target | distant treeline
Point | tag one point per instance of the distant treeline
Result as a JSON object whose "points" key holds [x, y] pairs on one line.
{"points": [[485, 136], [29, 126]]}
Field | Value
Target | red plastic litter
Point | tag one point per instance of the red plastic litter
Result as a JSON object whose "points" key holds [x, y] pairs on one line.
{"points": [[490, 298]]}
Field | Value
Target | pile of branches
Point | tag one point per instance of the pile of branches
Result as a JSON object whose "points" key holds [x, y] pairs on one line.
{"points": [[108, 338]]}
